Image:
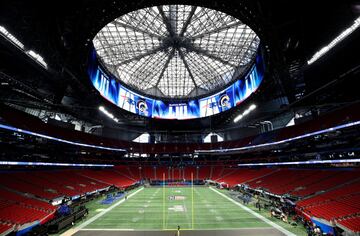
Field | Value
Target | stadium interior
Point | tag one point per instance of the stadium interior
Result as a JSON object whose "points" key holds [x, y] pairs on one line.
{"points": [[177, 117]]}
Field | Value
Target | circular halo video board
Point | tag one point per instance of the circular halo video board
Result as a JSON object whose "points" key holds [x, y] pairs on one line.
{"points": [[111, 89]]}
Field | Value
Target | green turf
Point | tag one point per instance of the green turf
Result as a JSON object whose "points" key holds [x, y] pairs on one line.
{"points": [[94, 207], [149, 209]]}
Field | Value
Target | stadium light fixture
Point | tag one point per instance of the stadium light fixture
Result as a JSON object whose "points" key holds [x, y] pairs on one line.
{"points": [[7, 127], [39, 59], [252, 107], [32, 54], [11, 37], [239, 117], [335, 41], [311, 162], [246, 112], [108, 114], [339, 127], [22, 163]]}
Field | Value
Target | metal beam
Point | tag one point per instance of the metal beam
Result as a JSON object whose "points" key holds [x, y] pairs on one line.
{"points": [[147, 69], [166, 21], [206, 53], [225, 27], [201, 78], [138, 57], [188, 20], [187, 67], [108, 46], [171, 55], [137, 29]]}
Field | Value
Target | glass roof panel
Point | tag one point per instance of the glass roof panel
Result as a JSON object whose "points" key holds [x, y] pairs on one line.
{"points": [[176, 49]]}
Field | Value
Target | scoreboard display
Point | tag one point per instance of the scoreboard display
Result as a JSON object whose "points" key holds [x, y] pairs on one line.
{"points": [[111, 89]]}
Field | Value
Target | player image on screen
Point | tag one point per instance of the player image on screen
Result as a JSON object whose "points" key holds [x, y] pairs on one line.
{"points": [[142, 108]]}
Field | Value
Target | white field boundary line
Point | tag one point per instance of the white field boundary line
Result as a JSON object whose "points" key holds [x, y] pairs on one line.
{"points": [[159, 230], [276, 226], [107, 230], [97, 216]]}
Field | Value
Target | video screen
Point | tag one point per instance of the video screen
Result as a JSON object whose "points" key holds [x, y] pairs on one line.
{"points": [[112, 90]]}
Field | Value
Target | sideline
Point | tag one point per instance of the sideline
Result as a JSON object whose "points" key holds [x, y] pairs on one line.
{"points": [[97, 216], [276, 226]]}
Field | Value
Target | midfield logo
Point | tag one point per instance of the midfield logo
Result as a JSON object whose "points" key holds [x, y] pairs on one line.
{"points": [[177, 198]]}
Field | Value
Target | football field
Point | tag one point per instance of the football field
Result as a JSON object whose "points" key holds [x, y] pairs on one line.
{"points": [[191, 208]]}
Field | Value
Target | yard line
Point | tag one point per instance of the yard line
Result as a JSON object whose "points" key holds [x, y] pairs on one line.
{"points": [[276, 226], [186, 213], [95, 217]]}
